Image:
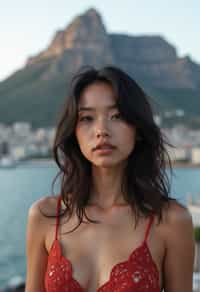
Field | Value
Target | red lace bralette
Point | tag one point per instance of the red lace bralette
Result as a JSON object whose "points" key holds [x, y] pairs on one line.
{"points": [[138, 273]]}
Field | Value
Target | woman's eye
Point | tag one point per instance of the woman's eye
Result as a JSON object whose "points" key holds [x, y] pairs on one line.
{"points": [[117, 116], [85, 118], [90, 118]]}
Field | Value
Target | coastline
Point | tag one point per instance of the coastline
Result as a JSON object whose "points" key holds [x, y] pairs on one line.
{"points": [[176, 164], [39, 160], [185, 165]]}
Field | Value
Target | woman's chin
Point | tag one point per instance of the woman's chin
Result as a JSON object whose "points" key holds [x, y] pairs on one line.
{"points": [[106, 164]]}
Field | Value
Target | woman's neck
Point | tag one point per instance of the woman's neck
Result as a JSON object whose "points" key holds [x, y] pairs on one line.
{"points": [[106, 188]]}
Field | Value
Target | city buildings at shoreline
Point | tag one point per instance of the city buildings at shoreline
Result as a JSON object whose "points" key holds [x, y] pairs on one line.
{"points": [[20, 141]]}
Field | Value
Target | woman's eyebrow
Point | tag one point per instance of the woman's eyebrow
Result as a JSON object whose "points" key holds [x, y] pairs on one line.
{"points": [[84, 108]]}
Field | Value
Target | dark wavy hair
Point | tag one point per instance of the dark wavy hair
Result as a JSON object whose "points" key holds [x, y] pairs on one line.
{"points": [[146, 181]]}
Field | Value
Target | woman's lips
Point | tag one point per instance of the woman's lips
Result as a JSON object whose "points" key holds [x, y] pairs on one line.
{"points": [[104, 149]]}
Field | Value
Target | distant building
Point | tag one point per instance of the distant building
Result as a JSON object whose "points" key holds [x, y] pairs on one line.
{"points": [[4, 148], [18, 152], [179, 112], [179, 154], [194, 210], [22, 129], [157, 120], [195, 155]]}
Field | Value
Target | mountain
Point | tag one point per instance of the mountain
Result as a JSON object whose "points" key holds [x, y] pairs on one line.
{"points": [[36, 92]]}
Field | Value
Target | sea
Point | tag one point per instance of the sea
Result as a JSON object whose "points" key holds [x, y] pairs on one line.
{"points": [[29, 181]]}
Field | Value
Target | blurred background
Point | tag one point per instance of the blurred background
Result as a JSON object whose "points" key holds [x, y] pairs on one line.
{"points": [[42, 44]]}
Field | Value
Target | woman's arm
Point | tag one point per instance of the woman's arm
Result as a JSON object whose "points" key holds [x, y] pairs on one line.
{"points": [[35, 250], [179, 258]]}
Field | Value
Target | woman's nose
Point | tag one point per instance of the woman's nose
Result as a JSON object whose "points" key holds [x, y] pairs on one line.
{"points": [[101, 133], [102, 129]]}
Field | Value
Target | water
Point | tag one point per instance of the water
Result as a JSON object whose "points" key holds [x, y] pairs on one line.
{"points": [[21, 186]]}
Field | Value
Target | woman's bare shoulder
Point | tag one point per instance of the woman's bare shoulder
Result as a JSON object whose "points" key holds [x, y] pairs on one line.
{"points": [[177, 222], [44, 206], [176, 212], [179, 242]]}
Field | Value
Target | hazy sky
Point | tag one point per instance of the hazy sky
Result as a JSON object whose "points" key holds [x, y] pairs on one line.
{"points": [[27, 26]]}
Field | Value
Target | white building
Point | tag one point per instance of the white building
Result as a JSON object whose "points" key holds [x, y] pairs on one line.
{"points": [[194, 210], [157, 119], [21, 129], [195, 155], [179, 154], [18, 152]]}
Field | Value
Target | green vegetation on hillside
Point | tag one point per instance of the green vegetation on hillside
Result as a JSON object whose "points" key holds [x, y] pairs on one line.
{"points": [[28, 96]]}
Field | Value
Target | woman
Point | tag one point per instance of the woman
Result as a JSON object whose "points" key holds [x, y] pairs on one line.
{"points": [[116, 227]]}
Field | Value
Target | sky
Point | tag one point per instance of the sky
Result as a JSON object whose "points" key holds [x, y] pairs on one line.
{"points": [[28, 26]]}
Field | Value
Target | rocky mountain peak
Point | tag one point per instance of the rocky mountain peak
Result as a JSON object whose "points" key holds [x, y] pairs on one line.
{"points": [[85, 32], [93, 13]]}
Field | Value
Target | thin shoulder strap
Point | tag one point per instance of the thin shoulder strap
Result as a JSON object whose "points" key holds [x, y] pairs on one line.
{"points": [[57, 215], [149, 226]]}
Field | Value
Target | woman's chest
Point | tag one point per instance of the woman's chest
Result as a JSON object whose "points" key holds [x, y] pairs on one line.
{"points": [[96, 252]]}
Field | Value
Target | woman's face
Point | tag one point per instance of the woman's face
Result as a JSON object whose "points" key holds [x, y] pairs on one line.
{"points": [[99, 121]]}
